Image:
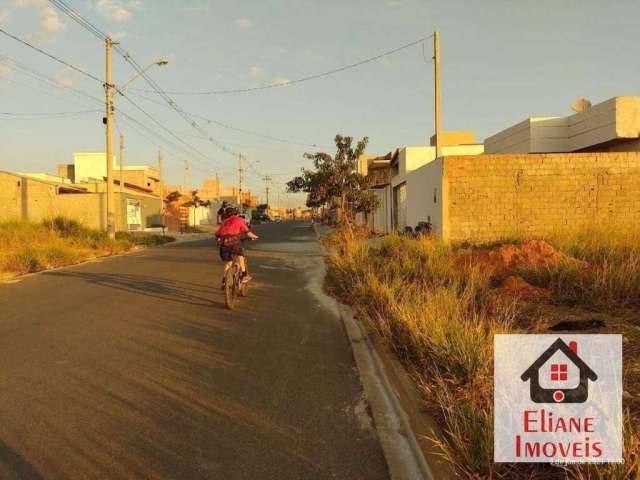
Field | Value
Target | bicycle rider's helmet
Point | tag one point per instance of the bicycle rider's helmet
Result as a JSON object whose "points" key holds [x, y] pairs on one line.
{"points": [[230, 211]]}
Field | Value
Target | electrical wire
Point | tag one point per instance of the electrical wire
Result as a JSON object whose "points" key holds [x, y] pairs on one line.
{"points": [[51, 56], [78, 18], [302, 79], [29, 115], [25, 70], [230, 127]]}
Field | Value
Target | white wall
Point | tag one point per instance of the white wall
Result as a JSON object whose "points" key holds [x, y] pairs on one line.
{"points": [[423, 185], [614, 120], [380, 220], [90, 165]]}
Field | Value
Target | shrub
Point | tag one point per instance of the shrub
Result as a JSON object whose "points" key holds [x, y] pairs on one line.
{"points": [[440, 321]]}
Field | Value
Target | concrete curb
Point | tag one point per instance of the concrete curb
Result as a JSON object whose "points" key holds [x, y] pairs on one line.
{"points": [[401, 449]]}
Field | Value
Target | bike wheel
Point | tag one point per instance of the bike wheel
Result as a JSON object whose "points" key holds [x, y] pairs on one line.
{"points": [[230, 287], [243, 289]]}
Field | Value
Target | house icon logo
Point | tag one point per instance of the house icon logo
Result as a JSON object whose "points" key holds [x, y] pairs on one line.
{"points": [[559, 391]]}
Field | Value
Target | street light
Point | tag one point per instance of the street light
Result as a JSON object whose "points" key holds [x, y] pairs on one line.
{"points": [[110, 87], [161, 62]]}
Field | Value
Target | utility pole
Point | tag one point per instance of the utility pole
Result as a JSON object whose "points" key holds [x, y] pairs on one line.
{"points": [[266, 187], [436, 73], [240, 170], [185, 181], [108, 87], [217, 188], [121, 166], [161, 185]]}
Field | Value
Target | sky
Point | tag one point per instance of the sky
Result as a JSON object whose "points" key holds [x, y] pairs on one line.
{"points": [[502, 61]]}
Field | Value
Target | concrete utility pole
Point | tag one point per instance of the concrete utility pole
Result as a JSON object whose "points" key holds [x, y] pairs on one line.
{"points": [[240, 170], [185, 181], [266, 187], [436, 73], [161, 185], [109, 87], [121, 166]]}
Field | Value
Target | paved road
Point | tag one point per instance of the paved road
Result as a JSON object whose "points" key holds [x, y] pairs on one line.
{"points": [[132, 368]]}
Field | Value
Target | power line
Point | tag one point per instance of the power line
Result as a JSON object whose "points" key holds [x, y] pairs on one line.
{"points": [[302, 79], [47, 114], [40, 77], [25, 70], [73, 67], [51, 56], [230, 127], [78, 18]]}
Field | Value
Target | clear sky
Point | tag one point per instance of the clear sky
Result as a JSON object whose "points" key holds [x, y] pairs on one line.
{"points": [[502, 61]]}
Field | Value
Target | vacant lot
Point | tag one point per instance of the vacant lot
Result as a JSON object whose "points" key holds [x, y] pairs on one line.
{"points": [[438, 306], [29, 247]]}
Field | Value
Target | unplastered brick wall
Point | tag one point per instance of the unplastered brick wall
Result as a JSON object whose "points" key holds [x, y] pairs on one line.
{"points": [[490, 197]]}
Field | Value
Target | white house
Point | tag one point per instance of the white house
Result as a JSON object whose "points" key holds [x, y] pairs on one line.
{"points": [[408, 181]]}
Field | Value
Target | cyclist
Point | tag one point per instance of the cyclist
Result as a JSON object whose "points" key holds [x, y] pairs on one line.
{"points": [[229, 237]]}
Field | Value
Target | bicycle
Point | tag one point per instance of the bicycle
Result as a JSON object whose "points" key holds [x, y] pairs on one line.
{"points": [[233, 284]]}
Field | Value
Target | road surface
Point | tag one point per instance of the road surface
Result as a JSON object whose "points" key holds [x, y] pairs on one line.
{"points": [[131, 367]]}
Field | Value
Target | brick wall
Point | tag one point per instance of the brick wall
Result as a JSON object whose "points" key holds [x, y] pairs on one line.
{"points": [[488, 197], [22, 198]]}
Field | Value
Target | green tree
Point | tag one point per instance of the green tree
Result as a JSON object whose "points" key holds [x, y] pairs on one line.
{"points": [[335, 181]]}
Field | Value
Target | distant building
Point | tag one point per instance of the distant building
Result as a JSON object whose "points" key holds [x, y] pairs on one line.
{"points": [[79, 192], [91, 166]]}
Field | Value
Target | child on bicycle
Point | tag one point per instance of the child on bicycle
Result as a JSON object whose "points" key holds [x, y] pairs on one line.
{"points": [[229, 237]]}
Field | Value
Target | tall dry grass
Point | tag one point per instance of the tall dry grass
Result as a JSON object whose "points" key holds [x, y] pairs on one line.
{"points": [[29, 247], [440, 321]]}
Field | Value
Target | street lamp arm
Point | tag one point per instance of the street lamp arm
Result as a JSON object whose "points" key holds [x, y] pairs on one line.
{"points": [[160, 62]]}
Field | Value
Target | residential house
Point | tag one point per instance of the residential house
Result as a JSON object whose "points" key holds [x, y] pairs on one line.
{"points": [[79, 192], [613, 125], [406, 182]]}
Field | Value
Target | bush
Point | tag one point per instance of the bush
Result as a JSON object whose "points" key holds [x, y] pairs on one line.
{"points": [[28, 247], [440, 320]]}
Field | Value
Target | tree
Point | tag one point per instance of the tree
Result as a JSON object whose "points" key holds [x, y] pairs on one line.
{"points": [[173, 197], [335, 180]]}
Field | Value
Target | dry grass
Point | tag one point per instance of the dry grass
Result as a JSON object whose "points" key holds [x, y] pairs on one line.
{"points": [[440, 321], [29, 247]]}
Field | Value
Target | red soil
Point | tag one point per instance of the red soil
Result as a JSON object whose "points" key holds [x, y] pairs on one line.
{"points": [[503, 261], [517, 287]]}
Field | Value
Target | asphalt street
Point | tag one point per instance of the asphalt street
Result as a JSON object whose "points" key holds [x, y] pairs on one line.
{"points": [[131, 367]]}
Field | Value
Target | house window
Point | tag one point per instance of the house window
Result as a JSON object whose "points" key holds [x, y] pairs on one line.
{"points": [[558, 372]]}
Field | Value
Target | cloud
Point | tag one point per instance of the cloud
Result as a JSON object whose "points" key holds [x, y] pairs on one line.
{"points": [[50, 22], [116, 10], [118, 35], [244, 23], [280, 80], [4, 17], [254, 71], [5, 70], [66, 78], [196, 8]]}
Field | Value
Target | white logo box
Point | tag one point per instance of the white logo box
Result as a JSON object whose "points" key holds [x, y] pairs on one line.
{"points": [[558, 398]]}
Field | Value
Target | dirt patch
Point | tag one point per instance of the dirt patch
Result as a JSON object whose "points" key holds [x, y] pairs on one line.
{"points": [[504, 260], [517, 287]]}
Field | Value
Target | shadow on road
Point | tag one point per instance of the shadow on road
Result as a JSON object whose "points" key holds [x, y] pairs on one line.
{"points": [[14, 465], [170, 290]]}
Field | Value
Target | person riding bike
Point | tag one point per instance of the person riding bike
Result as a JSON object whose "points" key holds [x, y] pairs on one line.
{"points": [[229, 237]]}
